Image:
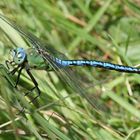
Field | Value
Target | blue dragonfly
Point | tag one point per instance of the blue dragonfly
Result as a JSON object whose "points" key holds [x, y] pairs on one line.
{"points": [[43, 56]]}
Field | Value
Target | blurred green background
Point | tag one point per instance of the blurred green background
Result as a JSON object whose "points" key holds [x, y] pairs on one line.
{"points": [[103, 30]]}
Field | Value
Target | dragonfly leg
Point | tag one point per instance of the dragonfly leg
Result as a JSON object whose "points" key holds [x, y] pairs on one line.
{"points": [[35, 84], [18, 77], [7, 62], [29, 91], [14, 70]]}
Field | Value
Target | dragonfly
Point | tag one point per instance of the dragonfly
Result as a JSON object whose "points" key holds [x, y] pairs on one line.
{"points": [[45, 57]]}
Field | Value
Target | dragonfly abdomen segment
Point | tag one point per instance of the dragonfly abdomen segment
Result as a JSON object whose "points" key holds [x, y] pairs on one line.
{"points": [[99, 64]]}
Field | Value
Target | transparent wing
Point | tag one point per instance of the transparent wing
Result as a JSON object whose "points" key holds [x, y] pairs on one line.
{"points": [[66, 74]]}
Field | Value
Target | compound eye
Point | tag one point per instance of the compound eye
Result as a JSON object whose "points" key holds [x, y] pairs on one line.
{"points": [[19, 55]]}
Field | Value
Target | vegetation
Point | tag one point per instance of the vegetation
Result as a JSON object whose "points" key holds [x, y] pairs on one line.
{"points": [[103, 30]]}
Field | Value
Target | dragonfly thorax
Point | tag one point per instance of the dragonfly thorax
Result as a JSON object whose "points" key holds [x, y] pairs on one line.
{"points": [[18, 55]]}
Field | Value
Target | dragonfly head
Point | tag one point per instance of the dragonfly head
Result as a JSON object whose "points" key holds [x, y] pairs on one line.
{"points": [[18, 55]]}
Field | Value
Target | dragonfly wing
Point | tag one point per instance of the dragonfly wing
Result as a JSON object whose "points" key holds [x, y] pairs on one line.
{"points": [[69, 77], [65, 74]]}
